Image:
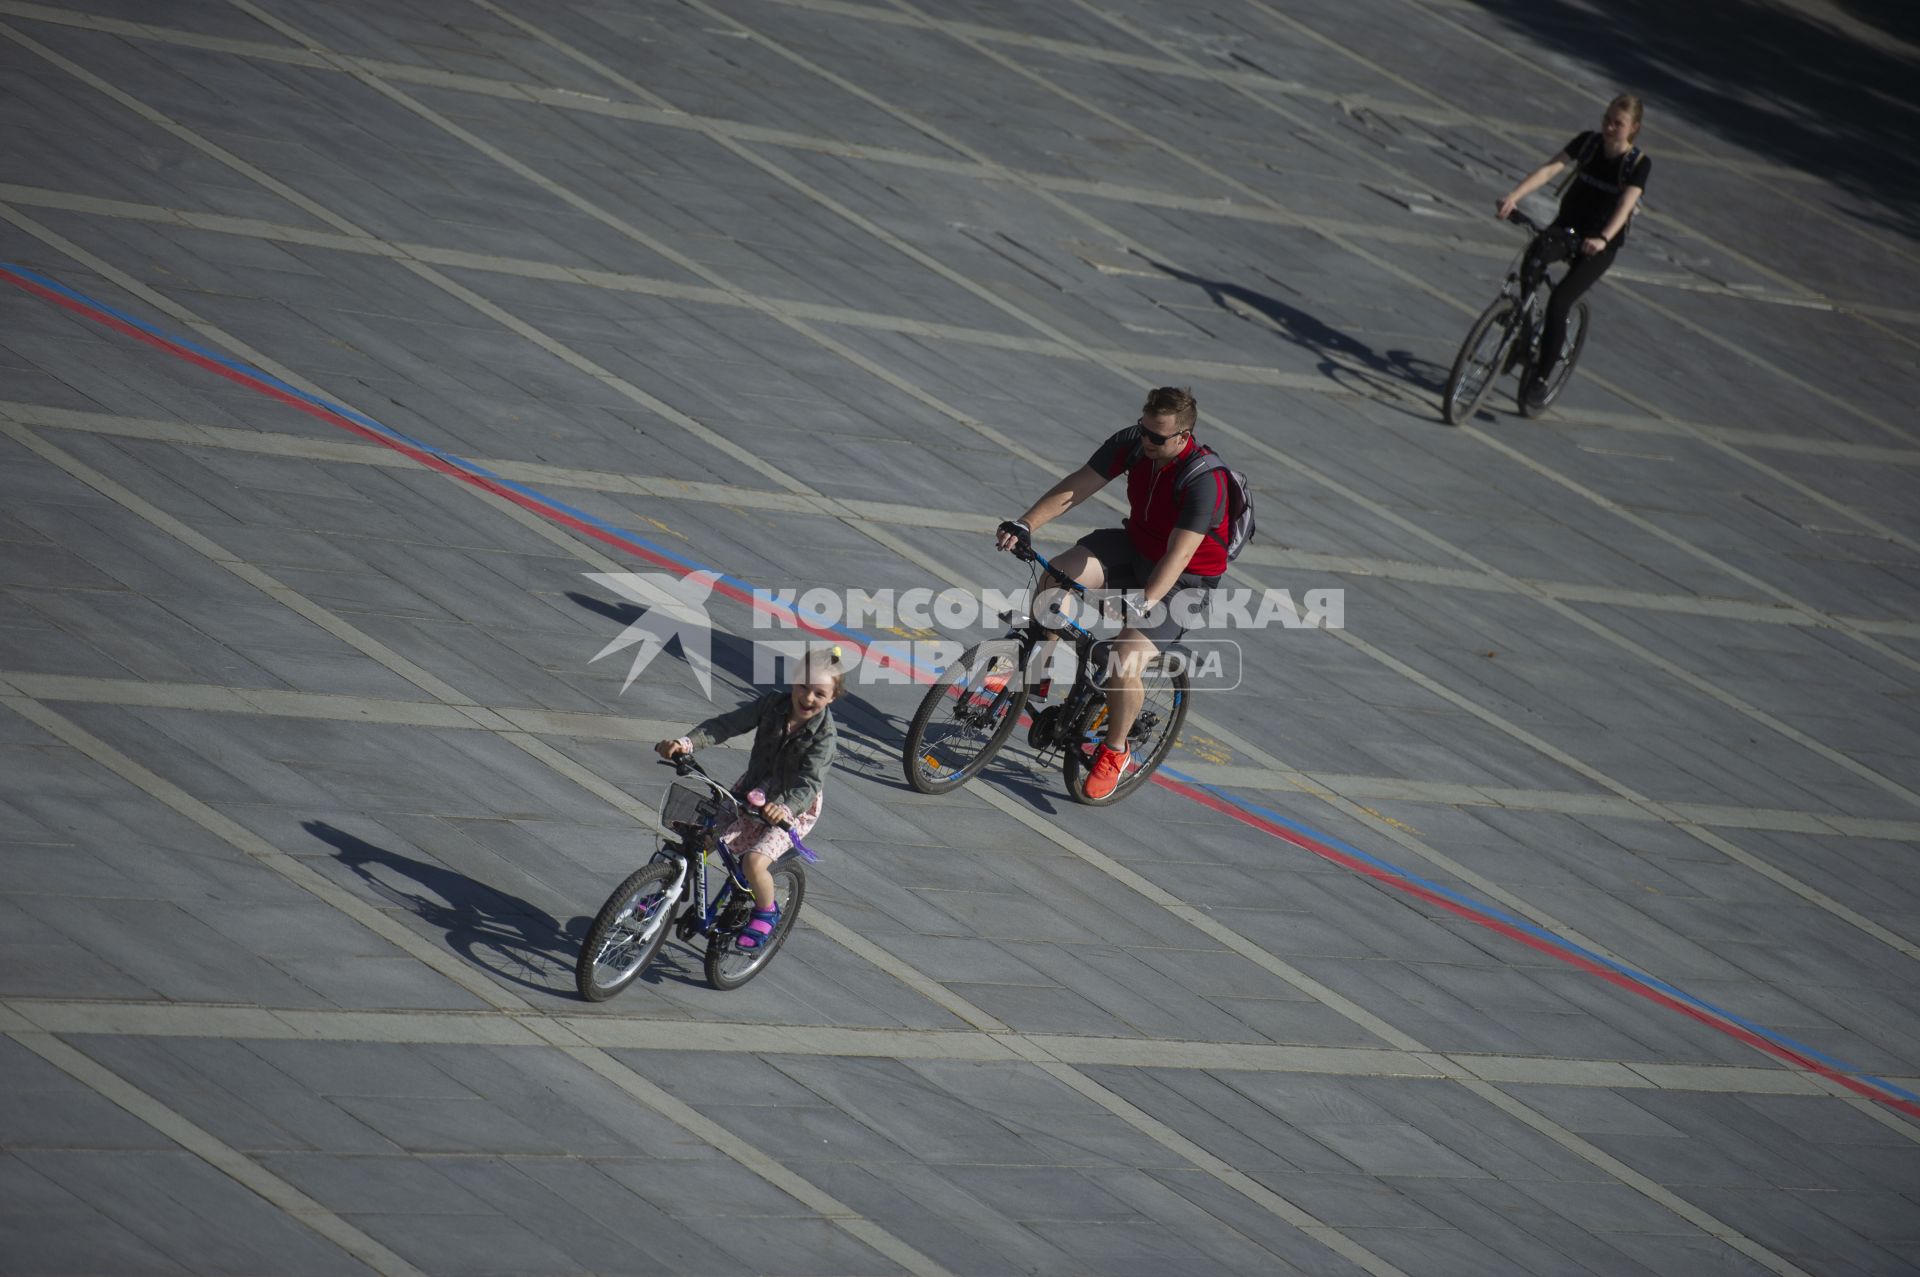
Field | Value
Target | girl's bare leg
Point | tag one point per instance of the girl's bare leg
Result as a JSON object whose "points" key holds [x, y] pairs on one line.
{"points": [[759, 867]]}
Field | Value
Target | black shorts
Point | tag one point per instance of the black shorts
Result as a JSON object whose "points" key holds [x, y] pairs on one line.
{"points": [[1127, 569]]}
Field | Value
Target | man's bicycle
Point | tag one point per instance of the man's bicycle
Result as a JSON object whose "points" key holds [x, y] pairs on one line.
{"points": [[1507, 335], [672, 893], [975, 704]]}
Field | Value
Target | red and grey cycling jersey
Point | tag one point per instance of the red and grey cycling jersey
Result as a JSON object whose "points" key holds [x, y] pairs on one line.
{"points": [[1157, 506]]}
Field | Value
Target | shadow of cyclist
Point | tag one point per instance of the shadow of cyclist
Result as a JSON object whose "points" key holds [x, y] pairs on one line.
{"points": [[1343, 359], [497, 932]]}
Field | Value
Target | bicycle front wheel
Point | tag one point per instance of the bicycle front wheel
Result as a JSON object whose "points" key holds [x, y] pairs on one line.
{"points": [[966, 717], [728, 965], [1480, 361], [1163, 711], [627, 933], [1563, 373]]}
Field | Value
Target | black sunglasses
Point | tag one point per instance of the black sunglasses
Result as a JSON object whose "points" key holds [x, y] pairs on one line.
{"points": [[1151, 437]]}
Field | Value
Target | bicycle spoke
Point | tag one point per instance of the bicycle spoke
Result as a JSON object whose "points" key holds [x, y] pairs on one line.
{"points": [[965, 718]]}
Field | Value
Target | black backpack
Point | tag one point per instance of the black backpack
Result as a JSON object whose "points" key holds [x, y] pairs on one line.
{"points": [[1204, 461]]}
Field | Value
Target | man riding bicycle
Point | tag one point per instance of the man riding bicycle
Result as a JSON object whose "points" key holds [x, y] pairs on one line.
{"points": [[1170, 553]]}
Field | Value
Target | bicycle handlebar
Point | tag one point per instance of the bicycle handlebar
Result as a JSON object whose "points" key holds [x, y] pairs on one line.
{"points": [[1027, 554], [1521, 219], [685, 765]]}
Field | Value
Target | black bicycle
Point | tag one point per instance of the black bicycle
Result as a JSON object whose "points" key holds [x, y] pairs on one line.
{"points": [[975, 704], [671, 894], [1506, 337]]}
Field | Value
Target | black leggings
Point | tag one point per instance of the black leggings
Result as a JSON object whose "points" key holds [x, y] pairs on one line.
{"points": [[1579, 278]]}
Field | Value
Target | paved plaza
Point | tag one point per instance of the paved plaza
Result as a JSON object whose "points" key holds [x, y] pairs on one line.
{"points": [[1559, 914]]}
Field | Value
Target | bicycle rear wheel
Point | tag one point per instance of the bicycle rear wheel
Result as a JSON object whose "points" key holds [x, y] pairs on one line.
{"points": [[1576, 342], [1163, 710], [1480, 361], [728, 965], [627, 933], [965, 717]]}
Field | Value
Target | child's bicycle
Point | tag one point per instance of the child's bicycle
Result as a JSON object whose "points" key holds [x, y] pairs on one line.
{"points": [[973, 707], [1506, 337], [671, 893]]}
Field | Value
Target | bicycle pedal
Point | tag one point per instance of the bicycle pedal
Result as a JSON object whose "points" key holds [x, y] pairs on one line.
{"points": [[1045, 728]]}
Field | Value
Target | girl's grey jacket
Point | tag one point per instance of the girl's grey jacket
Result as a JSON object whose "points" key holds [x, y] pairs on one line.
{"points": [[792, 769]]}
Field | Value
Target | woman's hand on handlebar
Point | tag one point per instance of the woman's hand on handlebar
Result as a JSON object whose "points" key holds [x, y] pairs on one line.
{"points": [[1505, 208], [672, 749], [776, 814]]}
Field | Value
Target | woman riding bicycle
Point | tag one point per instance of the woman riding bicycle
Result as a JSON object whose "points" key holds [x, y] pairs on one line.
{"points": [[1610, 176]]}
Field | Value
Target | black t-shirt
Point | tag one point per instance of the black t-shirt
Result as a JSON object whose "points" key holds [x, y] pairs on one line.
{"points": [[1595, 192]]}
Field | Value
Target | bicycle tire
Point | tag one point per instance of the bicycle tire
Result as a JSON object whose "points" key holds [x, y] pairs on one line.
{"points": [[1577, 326], [1156, 741], [728, 965], [622, 903], [922, 759], [1455, 405]]}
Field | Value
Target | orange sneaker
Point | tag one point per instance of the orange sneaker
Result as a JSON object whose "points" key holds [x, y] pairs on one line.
{"points": [[1108, 766]]}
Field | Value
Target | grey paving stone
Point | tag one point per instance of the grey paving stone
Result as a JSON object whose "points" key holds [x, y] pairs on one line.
{"points": [[1437, 1251], [934, 1212], [1603, 1209], [190, 1212], [1295, 1249], [1508, 1221], [1686, 1254], [176, 955], [606, 1207], [541, 1210], [230, 1090], [1210, 1109], [929, 1125], [461, 1243], [51, 1228], [947, 886], [1795, 1229]]}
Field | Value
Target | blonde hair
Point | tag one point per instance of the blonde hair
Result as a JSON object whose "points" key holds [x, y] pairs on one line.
{"points": [[1633, 106], [824, 660]]}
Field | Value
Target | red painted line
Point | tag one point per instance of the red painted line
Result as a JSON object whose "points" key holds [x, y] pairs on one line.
{"points": [[429, 460], [1620, 980], [1210, 801]]}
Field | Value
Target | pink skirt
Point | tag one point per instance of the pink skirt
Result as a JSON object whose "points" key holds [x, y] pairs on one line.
{"points": [[749, 835]]}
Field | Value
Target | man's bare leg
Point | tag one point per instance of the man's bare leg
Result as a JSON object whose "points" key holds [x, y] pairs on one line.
{"points": [[1127, 657], [1077, 564]]}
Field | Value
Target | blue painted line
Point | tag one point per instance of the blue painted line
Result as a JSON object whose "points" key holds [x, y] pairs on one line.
{"points": [[534, 494], [366, 422], [1541, 933]]}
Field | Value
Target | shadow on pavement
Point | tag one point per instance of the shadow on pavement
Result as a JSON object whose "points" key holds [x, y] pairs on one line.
{"points": [[731, 656], [1765, 75], [1344, 359], [498, 933]]}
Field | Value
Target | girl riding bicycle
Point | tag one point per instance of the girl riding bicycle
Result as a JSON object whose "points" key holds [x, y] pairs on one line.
{"points": [[1610, 176], [793, 746]]}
